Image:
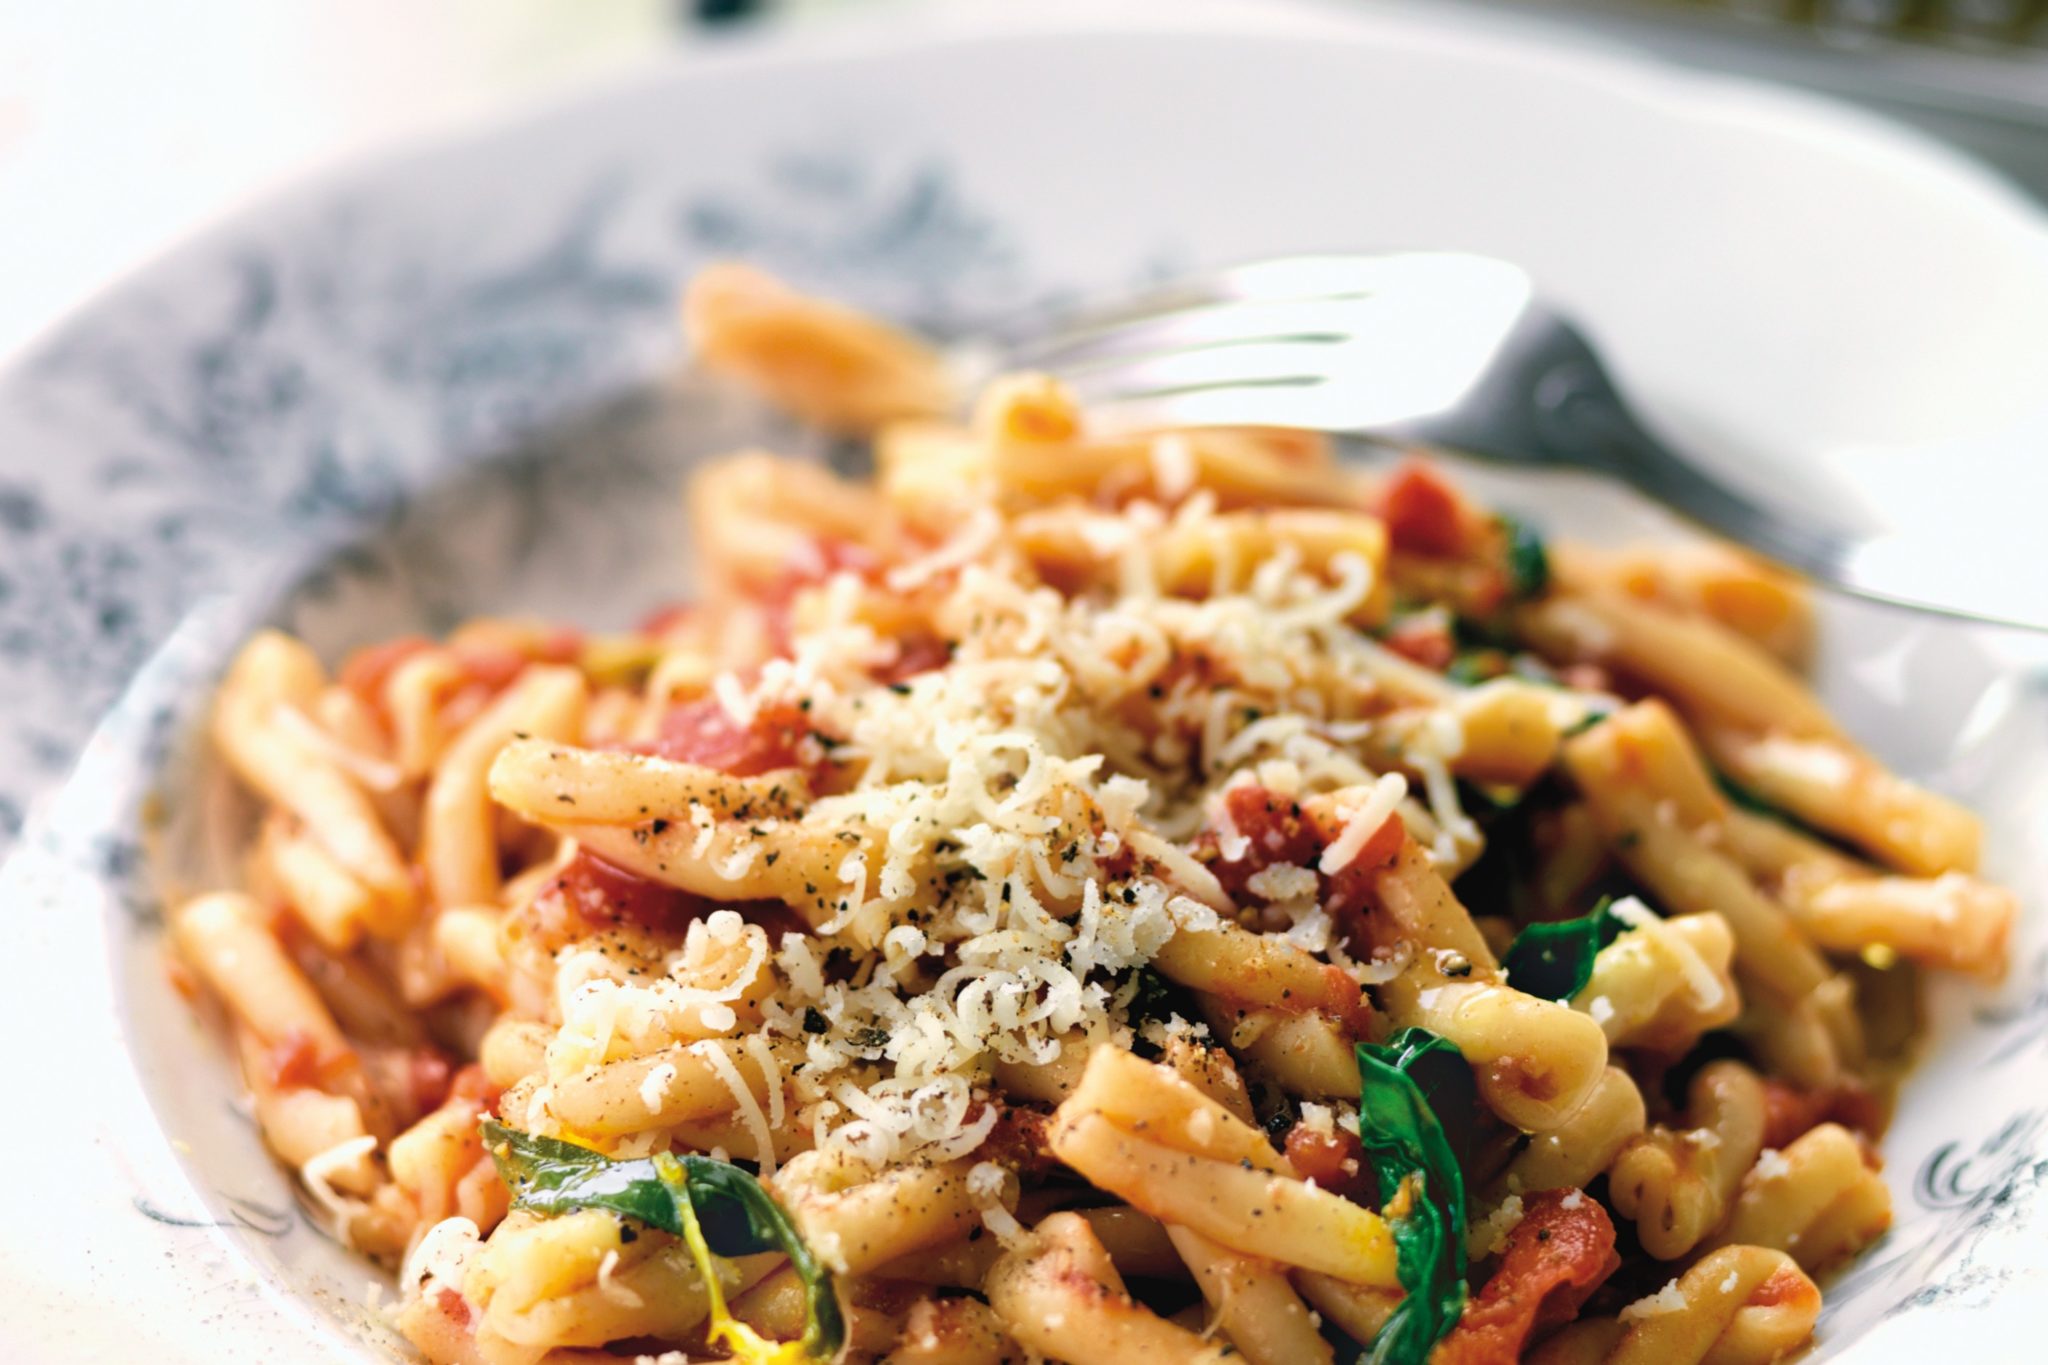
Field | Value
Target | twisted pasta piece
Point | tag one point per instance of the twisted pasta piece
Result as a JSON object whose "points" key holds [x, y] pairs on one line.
{"points": [[458, 841], [291, 866], [1646, 785], [1953, 920], [952, 1332], [1252, 1301], [576, 1281], [1827, 782], [1661, 985], [1763, 726], [1741, 1305], [678, 1083], [1306, 1055], [1146, 1135], [1666, 822], [1061, 1296], [858, 1220], [1736, 590], [1677, 1185], [1536, 1061], [1820, 1200], [1570, 1155], [272, 679], [836, 367], [1816, 1042]]}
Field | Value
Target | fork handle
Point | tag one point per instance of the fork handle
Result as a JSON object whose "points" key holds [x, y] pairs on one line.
{"points": [[1552, 402], [1580, 418]]}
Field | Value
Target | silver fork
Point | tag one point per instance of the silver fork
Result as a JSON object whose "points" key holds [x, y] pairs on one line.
{"points": [[1456, 351]]}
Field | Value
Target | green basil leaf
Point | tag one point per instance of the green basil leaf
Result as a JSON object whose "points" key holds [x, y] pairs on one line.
{"points": [[1471, 667], [1555, 960], [1417, 1103], [734, 1212], [549, 1176], [1528, 560]]}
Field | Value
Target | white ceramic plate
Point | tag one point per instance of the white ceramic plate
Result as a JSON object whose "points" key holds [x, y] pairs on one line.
{"points": [[438, 384]]}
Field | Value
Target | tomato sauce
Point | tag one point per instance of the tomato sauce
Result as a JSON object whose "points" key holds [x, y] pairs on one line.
{"points": [[1334, 1160], [1278, 831], [1424, 514], [1561, 1251]]}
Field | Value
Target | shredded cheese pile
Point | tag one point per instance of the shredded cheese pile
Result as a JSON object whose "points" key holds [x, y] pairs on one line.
{"points": [[1028, 804]]}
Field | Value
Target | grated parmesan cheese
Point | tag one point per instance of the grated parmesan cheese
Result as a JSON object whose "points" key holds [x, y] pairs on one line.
{"points": [[1771, 1165], [1489, 1234], [1013, 836], [1283, 882], [610, 1288], [1669, 1299], [654, 1085], [1707, 990], [1363, 823], [1000, 1221], [443, 1254], [743, 1100], [318, 1172]]}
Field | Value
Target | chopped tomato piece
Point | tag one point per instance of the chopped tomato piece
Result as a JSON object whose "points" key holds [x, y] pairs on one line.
{"points": [[490, 666], [560, 645], [431, 1074], [1334, 1160], [470, 1085], [1425, 515], [1350, 886], [1018, 1141], [703, 731], [293, 1060], [1275, 831], [1786, 1285], [590, 894], [1789, 1112], [1423, 639], [296, 1062], [914, 655], [369, 669], [1586, 677], [664, 619], [452, 1305], [1561, 1251]]}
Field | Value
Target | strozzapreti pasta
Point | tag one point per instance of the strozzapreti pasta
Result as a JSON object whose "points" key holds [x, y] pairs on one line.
{"points": [[1091, 897]]}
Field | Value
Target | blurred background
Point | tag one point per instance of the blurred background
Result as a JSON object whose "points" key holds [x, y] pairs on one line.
{"points": [[125, 124]]}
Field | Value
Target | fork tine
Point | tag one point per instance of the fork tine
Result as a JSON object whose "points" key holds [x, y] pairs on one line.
{"points": [[1203, 309], [1284, 278], [1233, 323], [1176, 372], [1239, 405], [1043, 323]]}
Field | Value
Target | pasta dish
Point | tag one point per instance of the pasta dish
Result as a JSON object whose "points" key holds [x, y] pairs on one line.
{"points": [[1092, 897]]}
